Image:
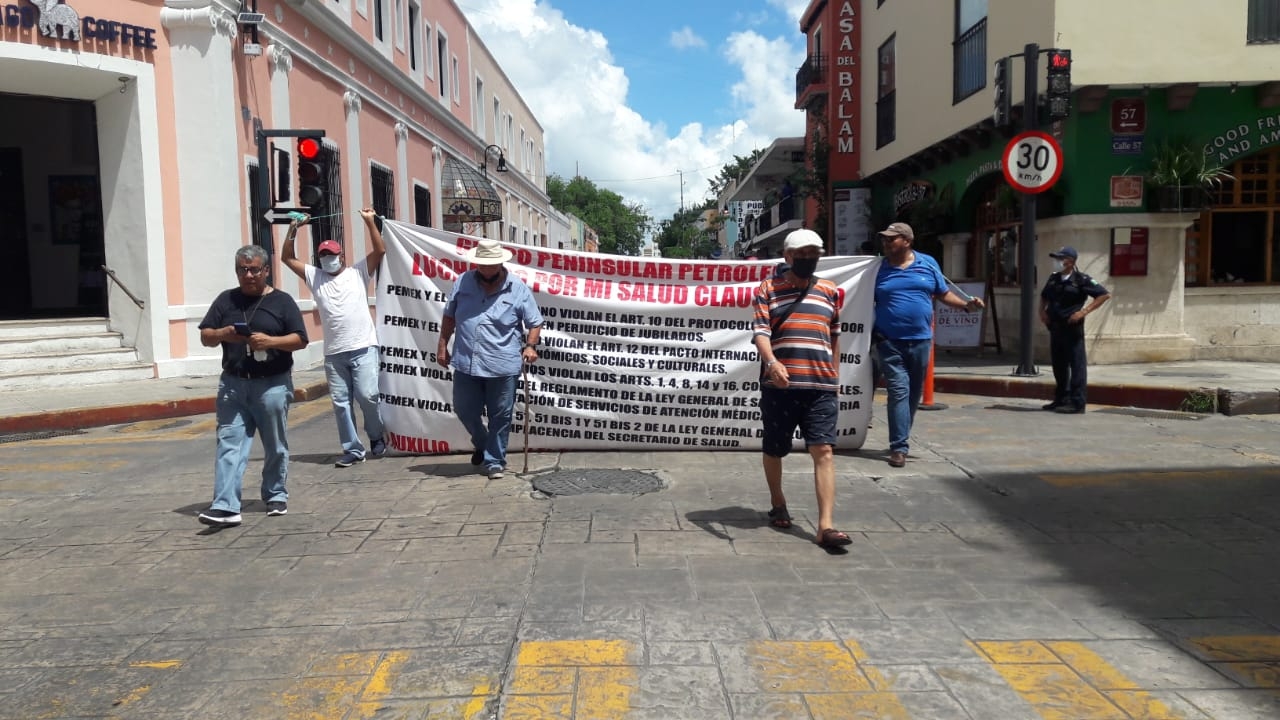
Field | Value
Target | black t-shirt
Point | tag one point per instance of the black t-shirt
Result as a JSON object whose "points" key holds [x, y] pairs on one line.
{"points": [[274, 313], [1065, 296]]}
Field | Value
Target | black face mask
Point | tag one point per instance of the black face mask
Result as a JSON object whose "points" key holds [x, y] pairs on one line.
{"points": [[804, 267]]}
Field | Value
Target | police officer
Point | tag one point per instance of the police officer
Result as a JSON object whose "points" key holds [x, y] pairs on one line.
{"points": [[1062, 310]]}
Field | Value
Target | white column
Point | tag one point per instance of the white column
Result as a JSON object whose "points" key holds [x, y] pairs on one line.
{"points": [[402, 172], [210, 174], [437, 179], [281, 63], [355, 174]]}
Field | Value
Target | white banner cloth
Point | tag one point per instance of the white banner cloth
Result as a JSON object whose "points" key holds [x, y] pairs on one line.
{"points": [[636, 353]]}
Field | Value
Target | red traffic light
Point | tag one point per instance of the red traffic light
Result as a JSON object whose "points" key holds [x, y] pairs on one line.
{"points": [[1060, 60], [308, 148]]}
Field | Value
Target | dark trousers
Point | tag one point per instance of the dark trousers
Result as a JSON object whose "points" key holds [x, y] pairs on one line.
{"points": [[1066, 350]]}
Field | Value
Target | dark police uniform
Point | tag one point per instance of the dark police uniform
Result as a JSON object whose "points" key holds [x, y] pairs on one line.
{"points": [[1064, 297]]}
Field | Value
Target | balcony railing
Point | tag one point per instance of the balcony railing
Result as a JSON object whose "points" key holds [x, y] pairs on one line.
{"points": [[969, 62], [786, 210], [812, 72]]}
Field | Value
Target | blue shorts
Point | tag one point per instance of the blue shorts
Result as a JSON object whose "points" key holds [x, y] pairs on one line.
{"points": [[781, 411]]}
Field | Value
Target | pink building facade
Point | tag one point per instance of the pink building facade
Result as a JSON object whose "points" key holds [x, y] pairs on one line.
{"points": [[128, 139]]}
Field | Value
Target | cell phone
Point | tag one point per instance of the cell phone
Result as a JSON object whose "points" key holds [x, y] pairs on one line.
{"points": [[242, 329]]}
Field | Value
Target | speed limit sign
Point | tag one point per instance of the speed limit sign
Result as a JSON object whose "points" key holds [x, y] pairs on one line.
{"points": [[1032, 162]]}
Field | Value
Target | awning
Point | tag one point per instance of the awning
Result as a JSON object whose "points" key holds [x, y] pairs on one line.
{"points": [[466, 194]]}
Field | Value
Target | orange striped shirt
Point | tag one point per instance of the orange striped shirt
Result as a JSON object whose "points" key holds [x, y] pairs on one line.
{"points": [[805, 342]]}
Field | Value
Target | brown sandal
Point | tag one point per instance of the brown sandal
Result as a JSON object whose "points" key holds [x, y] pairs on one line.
{"points": [[780, 518], [832, 538]]}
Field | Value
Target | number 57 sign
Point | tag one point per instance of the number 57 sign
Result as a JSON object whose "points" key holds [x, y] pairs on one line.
{"points": [[1032, 162]]}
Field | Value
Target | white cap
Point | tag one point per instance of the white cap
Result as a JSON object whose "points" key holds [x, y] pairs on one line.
{"points": [[802, 238]]}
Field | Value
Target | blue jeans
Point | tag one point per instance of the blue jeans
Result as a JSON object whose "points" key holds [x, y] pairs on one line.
{"points": [[243, 408], [358, 370], [903, 363], [492, 396]]}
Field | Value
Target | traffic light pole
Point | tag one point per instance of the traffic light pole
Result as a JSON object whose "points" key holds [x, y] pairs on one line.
{"points": [[1027, 248], [263, 194]]}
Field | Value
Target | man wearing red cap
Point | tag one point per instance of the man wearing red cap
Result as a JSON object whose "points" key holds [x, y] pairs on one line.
{"points": [[350, 340]]}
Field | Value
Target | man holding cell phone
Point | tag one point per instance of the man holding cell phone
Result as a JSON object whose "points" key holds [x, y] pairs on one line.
{"points": [[259, 328]]}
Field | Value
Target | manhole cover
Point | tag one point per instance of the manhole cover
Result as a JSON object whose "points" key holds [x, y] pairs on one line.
{"points": [[23, 437], [582, 482]]}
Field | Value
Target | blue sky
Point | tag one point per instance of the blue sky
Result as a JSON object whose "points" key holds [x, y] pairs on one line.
{"points": [[632, 93]]}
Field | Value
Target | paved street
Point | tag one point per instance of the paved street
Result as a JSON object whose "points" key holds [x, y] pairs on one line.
{"points": [[1119, 564]]}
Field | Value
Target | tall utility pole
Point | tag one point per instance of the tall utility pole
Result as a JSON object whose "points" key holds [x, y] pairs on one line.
{"points": [[1027, 248], [681, 173]]}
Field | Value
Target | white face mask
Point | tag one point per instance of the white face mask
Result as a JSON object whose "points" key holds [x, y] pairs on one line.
{"points": [[331, 264], [1059, 266]]}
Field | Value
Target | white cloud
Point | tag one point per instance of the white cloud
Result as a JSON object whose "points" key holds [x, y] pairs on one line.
{"points": [[686, 38], [766, 93], [793, 8], [578, 92]]}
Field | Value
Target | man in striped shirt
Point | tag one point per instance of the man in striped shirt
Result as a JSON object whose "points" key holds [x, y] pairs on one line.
{"points": [[797, 321]]}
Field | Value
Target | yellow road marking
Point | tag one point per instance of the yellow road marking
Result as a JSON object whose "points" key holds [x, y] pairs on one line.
{"points": [[141, 691], [806, 667], [379, 685], [336, 684], [472, 709], [134, 696], [157, 664], [833, 680], [856, 706], [572, 678], [1253, 660], [1098, 672], [1068, 681]]}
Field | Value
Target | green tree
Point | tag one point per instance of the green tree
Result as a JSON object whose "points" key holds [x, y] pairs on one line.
{"points": [[681, 236], [734, 171], [813, 179], [620, 226]]}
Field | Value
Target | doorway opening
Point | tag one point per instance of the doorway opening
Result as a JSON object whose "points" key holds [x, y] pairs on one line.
{"points": [[51, 224]]}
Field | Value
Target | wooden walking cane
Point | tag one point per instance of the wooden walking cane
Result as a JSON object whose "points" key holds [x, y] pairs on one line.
{"points": [[524, 374]]}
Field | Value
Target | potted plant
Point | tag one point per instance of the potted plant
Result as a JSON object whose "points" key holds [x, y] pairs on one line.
{"points": [[1181, 175]]}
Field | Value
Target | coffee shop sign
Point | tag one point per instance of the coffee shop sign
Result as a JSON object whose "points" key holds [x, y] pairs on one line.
{"points": [[61, 21], [1244, 139]]}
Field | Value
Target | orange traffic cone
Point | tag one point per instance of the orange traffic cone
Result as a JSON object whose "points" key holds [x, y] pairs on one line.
{"points": [[926, 400]]}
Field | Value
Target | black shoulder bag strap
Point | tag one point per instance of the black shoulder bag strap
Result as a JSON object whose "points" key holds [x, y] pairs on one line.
{"points": [[776, 325]]}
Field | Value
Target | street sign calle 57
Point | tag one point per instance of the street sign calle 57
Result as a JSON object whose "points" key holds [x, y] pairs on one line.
{"points": [[1032, 162]]}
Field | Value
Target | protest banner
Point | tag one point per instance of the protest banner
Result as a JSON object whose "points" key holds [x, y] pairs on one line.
{"points": [[636, 353]]}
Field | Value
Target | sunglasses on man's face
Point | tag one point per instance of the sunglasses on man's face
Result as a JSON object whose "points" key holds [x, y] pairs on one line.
{"points": [[249, 270]]}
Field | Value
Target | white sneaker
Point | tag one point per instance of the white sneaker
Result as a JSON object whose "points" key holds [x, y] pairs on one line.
{"points": [[495, 472]]}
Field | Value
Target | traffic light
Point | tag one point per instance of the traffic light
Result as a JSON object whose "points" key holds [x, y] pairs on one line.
{"points": [[1004, 101], [1058, 88], [313, 174]]}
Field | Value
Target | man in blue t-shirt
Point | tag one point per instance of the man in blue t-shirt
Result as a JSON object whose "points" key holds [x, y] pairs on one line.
{"points": [[906, 286]]}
